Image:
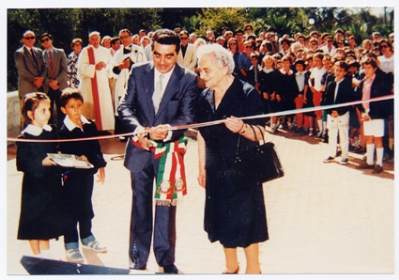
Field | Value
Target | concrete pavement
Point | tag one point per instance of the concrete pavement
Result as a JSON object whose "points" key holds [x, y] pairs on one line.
{"points": [[322, 218]]}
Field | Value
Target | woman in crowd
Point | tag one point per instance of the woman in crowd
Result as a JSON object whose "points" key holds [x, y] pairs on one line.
{"points": [[235, 212], [232, 46], [72, 60]]}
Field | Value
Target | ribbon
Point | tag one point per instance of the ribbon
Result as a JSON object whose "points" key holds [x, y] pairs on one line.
{"points": [[197, 125], [94, 89], [171, 184]]}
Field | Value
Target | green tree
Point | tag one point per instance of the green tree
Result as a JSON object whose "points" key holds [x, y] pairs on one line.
{"points": [[216, 18]]}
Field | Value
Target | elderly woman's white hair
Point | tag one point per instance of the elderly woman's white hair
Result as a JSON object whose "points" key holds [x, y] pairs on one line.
{"points": [[223, 56]]}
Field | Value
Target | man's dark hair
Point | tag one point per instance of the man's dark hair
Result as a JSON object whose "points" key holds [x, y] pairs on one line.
{"points": [[114, 40], [166, 37], [342, 64], [46, 35]]}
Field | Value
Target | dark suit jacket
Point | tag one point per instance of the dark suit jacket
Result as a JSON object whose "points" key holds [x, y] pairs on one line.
{"points": [[381, 86], [60, 68], [345, 94], [28, 68], [136, 107]]}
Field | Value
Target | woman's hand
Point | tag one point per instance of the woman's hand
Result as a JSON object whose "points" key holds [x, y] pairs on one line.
{"points": [[234, 124]]}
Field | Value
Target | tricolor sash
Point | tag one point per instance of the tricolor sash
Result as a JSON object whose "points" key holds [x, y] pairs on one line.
{"points": [[171, 178]]}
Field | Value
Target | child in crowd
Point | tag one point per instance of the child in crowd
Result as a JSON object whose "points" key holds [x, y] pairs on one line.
{"points": [[267, 88], [338, 91], [78, 183], [40, 218], [327, 77], [254, 71], [315, 86], [375, 84], [301, 77], [287, 90]]}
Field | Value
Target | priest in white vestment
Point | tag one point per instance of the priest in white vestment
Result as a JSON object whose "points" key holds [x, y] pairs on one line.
{"points": [[123, 61], [93, 73]]}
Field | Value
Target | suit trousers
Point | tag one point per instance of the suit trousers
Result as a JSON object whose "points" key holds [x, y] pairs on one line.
{"points": [[55, 98], [339, 124], [141, 227]]}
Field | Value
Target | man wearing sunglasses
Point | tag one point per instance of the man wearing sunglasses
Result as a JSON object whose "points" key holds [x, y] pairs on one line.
{"points": [[30, 66], [188, 55], [56, 75]]}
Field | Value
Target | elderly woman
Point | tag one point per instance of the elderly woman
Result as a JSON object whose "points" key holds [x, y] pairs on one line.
{"points": [[235, 213], [72, 66]]}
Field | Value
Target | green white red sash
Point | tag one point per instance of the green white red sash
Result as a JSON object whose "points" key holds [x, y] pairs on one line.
{"points": [[170, 181]]}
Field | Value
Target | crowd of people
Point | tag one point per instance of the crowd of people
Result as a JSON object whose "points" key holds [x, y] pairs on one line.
{"points": [[144, 83]]}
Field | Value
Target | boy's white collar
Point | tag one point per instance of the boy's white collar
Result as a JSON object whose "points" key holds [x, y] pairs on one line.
{"points": [[71, 126]]}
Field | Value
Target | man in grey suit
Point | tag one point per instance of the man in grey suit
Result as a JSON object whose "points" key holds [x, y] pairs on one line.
{"points": [[30, 66], [56, 75], [188, 53], [159, 94]]}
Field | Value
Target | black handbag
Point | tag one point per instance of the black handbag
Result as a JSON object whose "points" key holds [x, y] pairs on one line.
{"points": [[259, 162]]}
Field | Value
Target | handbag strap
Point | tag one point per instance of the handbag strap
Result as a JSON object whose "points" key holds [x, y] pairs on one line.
{"points": [[261, 132], [256, 138]]}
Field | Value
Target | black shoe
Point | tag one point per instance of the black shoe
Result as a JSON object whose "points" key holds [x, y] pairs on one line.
{"points": [[329, 159], [320, 136], [298, 130], [377, 169], [338, 153], [170, 269]]}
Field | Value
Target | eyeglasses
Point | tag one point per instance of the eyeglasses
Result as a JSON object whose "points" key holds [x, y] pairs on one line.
{"points": [[30, 38], [45, 40], [383, 46], [247, 28], [183, 38], [247, 47], [233, 44], [123, 37]]}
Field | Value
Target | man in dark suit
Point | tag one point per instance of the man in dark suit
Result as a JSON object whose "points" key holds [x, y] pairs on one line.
{"points": [[56, 75], [159, 94], [338, 91], [30, 66]]}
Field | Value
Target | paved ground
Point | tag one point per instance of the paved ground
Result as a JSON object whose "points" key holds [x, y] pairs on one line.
{"points": [[322, 218]]}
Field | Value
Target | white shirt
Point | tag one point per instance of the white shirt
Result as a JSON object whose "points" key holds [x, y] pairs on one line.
{"points": [[300, 80], [386, 64], [317, 74]]}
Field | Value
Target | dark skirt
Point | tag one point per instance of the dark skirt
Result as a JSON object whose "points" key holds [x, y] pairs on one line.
{"points": [[234, 214]]}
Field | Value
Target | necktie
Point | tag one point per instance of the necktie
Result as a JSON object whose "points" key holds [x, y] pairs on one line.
{"points": [[33, 56], [51, 65], [157, 96]]}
